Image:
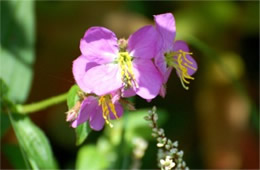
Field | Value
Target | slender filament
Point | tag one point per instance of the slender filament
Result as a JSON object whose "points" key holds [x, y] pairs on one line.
{"points": [[181, 64], [106, 104]]}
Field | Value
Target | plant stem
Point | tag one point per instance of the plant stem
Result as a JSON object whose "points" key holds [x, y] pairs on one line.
{"points": [[34, 107]]}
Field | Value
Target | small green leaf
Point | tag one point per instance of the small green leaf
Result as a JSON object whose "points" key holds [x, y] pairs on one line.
{"points": [[72, 97], [89, 157], [82, 130], [33, 142]]}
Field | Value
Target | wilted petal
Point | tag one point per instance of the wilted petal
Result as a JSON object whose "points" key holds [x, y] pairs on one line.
{"points": [[148, 78], [162, 66], [88, 108], [97, 121], [165, 24], [99, 45], [115, 96], [167, 74], [163, 91], [103, 79], [119, 111], [181, 45], [143, 43], [80, 66]]}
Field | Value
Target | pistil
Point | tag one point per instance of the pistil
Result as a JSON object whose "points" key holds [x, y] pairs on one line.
{"points": [[127, 74]]}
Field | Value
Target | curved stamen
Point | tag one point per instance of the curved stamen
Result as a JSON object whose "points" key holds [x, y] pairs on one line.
{"points": [[106, 104], [181, 64]]}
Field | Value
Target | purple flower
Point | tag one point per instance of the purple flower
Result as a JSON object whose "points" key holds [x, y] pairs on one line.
{"points": [[172, 53], [108, 64], [98, 110]]}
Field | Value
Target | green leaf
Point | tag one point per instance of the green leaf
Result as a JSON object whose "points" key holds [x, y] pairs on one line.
{"points": [[72, 97], [17, 47], [135, 125], [89, 157], [5, 124], [14, 156], [138, 126], [82, 130], [33, 142], [4, 103]]}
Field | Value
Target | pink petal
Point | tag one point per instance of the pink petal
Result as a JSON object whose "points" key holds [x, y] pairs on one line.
{"points": [[148, 78], [119, 111], [88, 108], [103, 79], [97, 121], [79, 68], [181, 45], [99, 45], [143, 43], [129, 92], [165, 24]]}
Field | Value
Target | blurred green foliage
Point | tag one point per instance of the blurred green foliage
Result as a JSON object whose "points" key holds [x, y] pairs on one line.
{"points": [[89, 157], [17, 47], [17, 58]]}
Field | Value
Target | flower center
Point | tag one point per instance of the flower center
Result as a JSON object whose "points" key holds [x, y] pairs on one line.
{"points": [[106, 103], [127, 75], [179, 61]]}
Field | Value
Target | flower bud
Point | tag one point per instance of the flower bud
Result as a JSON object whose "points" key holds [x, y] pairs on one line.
{"points": [[160, 145], [175, 144]]}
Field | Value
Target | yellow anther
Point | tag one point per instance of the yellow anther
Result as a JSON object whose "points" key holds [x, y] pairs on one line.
{"points": [[181, 64], [127, 74], [106, 104]]}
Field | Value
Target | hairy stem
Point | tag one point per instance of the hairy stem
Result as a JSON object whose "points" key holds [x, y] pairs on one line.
{"points": [[34, 107]]}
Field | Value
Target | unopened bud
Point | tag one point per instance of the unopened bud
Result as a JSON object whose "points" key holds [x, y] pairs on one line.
{"points": [[146, 118], [155, 117], [167, 146], [160, 144], [180, 153], [154, 129], [122, 44], [154, 135], [72, 114], [154, 109], [151, 124], [173, 150], [175, 144]]}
